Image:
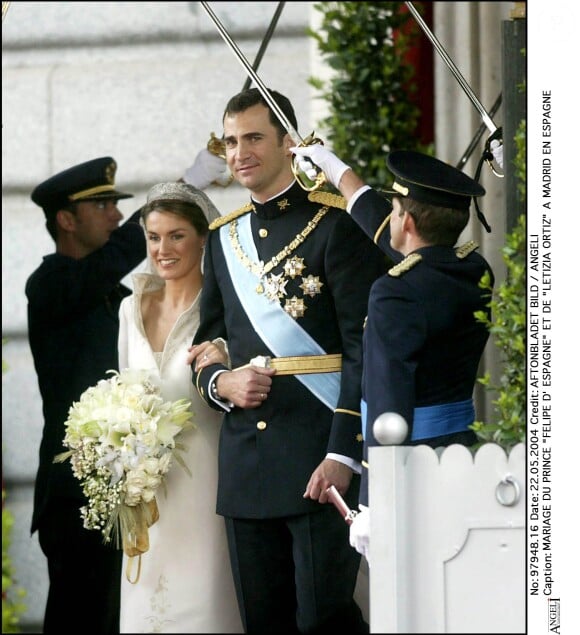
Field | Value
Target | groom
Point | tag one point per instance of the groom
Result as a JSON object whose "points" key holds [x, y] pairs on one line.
{"points": [[286, 282]]}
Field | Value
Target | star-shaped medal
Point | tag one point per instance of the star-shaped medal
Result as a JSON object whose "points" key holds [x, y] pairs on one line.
{"points": [[311, 285], [295, 307], [294, 266]]}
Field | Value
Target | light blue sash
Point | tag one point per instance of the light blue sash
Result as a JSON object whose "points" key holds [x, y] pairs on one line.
{"points": [[363, 418], [280, 332]]}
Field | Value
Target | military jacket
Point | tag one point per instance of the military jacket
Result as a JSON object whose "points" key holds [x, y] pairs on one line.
{"points": [[73, 324], [268, 454], [422, 343]]}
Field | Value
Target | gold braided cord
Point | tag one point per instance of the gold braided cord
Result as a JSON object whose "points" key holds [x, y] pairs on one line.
{"points": [[261, 269], [381, 229], [5, 6]]}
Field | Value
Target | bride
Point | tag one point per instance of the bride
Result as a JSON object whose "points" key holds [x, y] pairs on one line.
{"points": [[185, 584]]}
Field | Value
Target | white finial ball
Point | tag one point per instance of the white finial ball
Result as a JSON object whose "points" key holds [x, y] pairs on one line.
{"points": [[390, 428]]}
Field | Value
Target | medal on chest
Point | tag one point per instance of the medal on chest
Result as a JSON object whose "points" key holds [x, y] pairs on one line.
{"points": [[273, 285]]}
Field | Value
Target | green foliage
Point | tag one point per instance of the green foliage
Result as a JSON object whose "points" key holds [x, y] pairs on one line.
{"points": [[508, 327], [508, 330], [12, 606], [369, 94], [520, 159]]}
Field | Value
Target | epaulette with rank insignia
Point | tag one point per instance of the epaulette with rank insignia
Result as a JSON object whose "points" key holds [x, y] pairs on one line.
{"points": [[224, 220], [464, 250], [327, 198], [408, 263]]}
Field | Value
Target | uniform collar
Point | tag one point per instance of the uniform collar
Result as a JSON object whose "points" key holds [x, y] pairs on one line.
{"points": [[285, 201]]}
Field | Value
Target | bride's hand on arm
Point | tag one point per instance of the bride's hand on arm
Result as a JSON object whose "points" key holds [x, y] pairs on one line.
{"points": [[207, 353]]}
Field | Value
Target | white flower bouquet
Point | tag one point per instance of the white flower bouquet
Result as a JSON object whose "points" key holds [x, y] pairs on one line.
{"points": [[121, 436]]}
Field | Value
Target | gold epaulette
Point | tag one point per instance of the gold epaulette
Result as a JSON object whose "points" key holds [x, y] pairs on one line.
{"points": [[464, 250], [327, 198], [224, 220], [408, 263]]}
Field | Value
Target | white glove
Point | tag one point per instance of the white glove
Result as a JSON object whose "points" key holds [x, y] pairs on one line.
{"points": [[318, 155], [206, 169], [360, 530], [496, 148]]}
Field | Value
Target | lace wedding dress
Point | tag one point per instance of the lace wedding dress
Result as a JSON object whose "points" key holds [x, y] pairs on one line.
{"points": [[185, 583]]}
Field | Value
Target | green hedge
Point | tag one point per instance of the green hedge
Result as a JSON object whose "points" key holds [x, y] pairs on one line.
{"points": [[508, 328], [370, 93]]}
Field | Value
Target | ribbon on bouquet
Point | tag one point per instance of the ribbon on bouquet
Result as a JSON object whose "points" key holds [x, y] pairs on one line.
{"points": [[136, 537]]}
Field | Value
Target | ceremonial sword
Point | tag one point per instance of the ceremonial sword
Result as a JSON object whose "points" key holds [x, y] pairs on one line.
{"points": [[264, 43], [487, 120], [216, 145], [306, 182], [473, 144]]}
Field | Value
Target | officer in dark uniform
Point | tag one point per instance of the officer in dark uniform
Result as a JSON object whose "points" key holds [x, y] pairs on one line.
{"points": [[73, 304], [422, 343], [286, 283]]}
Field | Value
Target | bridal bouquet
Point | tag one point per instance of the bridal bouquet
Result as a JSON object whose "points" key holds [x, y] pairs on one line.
{"points": [[121, 437]]}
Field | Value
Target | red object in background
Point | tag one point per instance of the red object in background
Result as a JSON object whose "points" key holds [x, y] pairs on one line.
{"points": [[421, 57]]}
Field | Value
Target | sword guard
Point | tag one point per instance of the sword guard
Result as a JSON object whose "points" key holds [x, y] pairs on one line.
{"points": [[217, 147], [303, 179], [488, 154]]}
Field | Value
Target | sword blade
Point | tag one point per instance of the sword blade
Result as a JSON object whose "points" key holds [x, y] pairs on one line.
{"points": [[5, 7], [248, 68], [471, 147], [453, 68], [264, 43]]}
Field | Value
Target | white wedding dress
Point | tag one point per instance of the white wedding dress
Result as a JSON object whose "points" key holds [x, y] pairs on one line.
{"points": [[185, 584]]}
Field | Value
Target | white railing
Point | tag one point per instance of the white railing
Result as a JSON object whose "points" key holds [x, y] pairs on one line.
{"points": [[448, 540]]}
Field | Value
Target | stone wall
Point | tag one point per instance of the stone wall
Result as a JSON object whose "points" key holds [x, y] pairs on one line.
{"points": [[146, 83]]}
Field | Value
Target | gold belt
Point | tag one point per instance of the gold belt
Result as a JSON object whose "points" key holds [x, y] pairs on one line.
{"points": [[300, 365]]}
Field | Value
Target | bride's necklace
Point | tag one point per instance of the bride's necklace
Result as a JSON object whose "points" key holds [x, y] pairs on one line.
{"points": [[260, 269]]}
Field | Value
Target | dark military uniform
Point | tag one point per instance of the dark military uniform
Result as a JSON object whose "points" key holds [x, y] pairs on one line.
{"points": [[321, 275], [73, 325], [422, 343]]}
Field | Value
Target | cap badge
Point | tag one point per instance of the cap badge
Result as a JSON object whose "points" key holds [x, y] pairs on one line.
{"points": [[400, 188], [110, 172]]}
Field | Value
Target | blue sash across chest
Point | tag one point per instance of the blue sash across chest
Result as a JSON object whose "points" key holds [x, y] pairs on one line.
{"points": [[277, 329]]}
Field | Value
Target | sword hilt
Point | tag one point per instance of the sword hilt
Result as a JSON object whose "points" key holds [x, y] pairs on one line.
{"points": [[303, 179], [488, 154], [217, 146]]}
